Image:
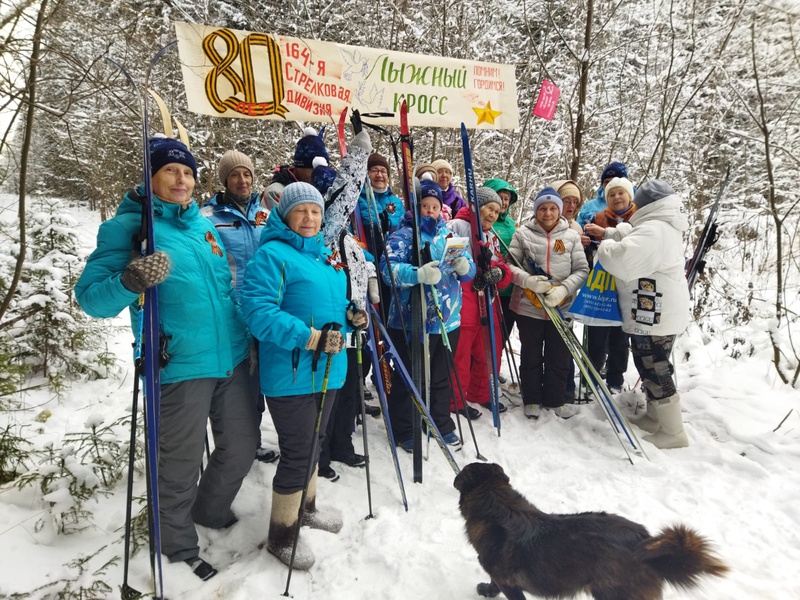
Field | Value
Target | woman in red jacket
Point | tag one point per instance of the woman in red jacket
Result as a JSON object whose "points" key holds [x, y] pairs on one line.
{"points": [[471, 355]]}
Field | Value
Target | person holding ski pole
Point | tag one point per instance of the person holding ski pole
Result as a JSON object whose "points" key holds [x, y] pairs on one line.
{"points": [[471, 356], [547, 263], [609, 345], [294, 298], [647, 260], [434, 233], [239, 218], [204, 354]]}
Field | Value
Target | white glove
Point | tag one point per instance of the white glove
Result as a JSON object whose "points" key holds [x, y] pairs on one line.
{"points": [[556, 295], [461, 265], [537, 283], [373, 291], [429, 273]]}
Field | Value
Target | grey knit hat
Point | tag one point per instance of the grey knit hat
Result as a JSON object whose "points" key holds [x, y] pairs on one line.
{"points": [[296, 193], [651, 191], [229, 161], [487, 195]]}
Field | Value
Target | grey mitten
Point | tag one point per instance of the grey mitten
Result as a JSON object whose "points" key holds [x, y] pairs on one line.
{"points": [[373, 291], [361, 140], [145, 272], [461, 265], [537, 283], [429, 273]]}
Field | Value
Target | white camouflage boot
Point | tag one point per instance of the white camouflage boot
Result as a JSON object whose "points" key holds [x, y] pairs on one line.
{"points": [[282, 523], [647, 422], [327, 519], [670, 433]]}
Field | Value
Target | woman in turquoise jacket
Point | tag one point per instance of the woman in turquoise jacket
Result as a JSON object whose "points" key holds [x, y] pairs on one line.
{"points": [[205, 341], [293, 287]]}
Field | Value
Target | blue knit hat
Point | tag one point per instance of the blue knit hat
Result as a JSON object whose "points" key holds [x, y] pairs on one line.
{"points": [[296, 193], [164, 150], [309, 147], [431, 189], [548, 194], [615, 169]]}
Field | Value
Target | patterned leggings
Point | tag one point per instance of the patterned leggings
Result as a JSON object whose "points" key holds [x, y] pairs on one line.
{"points": [[651, 357]]}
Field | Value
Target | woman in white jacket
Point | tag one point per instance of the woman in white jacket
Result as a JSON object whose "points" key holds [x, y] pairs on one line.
{"points": [[648, 263], [545, 257]]}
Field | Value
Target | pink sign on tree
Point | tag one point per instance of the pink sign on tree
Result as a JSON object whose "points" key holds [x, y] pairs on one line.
{"points": [[547, 100]]}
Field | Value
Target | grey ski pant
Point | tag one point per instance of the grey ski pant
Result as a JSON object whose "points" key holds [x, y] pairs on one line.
{"points": [[294, 418], [186, 408]]}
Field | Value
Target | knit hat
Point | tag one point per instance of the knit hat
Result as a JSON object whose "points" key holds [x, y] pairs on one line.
{"points": [[650, 191], [377, 160], [431, 189], [615, 169], [308, 147], [486, 195], [548, 194], [164, 150], [229, 161], [426, 171], [567, 188], [296, 193], [501, 185], [442, 164], [622, 182]]}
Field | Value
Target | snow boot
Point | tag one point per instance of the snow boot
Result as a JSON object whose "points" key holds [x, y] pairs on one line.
{"points": [[648, 421], [327, 520], [282, 523], [670, 433]]}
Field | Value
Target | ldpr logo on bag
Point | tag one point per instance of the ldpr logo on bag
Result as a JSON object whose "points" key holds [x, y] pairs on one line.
{"points": [[597, 303]]}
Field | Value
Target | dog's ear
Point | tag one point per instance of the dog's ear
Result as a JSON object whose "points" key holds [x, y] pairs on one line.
{"points": [[496, 473]]}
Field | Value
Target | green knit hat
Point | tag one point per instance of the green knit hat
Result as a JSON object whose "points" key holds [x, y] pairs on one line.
{"points": [[501, 185]]}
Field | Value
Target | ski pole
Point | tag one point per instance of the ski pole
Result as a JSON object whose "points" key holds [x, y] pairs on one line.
{"points": [[363, 420], [314, 444], [128, 593]]}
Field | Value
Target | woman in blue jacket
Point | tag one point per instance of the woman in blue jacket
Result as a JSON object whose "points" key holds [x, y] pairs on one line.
{"points": [[206, 374], [447, 282], [293, 287]]}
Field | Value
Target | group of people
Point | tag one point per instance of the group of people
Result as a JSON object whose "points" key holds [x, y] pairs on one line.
{"points": [[284, 279]]}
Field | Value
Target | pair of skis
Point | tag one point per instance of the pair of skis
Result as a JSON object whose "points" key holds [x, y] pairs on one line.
{"points": [[146, 356], [708, 237]]}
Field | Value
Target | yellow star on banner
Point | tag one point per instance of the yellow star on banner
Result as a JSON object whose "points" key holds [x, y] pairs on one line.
{"points": [[486, 115]]}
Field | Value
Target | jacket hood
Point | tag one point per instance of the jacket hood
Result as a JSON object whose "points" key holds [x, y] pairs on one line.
{"points": [[463, 214], [276, 229], [668, 209], [501, 185]]}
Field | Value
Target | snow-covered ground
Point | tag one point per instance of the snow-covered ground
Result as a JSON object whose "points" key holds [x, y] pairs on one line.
{"points": [[738, 483]]}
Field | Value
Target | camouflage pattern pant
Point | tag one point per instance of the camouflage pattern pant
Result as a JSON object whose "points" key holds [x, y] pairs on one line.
{"points": [[651, 357]]}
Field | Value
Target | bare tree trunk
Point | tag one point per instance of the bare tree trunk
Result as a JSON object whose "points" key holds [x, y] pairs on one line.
{"points": [[23, 163], [584, 84]]}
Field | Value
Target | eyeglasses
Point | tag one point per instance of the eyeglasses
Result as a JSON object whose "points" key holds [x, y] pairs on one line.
{"points": [[378, 171], [573, 201]]}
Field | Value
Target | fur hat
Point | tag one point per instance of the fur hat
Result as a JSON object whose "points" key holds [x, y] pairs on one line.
{"points": [[622, 182], [568, 188], [442, 164], [430, 189], [650, 191], [377, 160], [615, 169], [426, 171], [548, 194], [229, 161], [164, 150], [296, 193], [487, 195], [309, 147]]}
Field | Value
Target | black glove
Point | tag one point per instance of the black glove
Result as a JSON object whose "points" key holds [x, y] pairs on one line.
{"points": [[488, 277], [145, 272]]}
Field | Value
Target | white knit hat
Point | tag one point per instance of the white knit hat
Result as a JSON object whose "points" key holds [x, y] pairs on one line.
{"points": [[442, 164], [622, 182]]}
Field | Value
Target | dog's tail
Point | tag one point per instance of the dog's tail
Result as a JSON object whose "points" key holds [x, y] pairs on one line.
{"points": [[681, 556]]}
